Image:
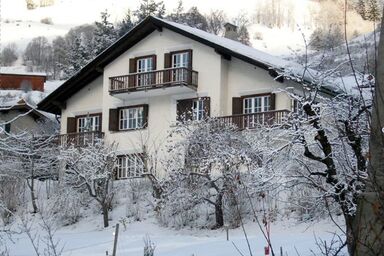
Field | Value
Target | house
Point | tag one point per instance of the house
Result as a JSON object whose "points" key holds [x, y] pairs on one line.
{"points": [[21, 116], [161, 72], [22, 80]]}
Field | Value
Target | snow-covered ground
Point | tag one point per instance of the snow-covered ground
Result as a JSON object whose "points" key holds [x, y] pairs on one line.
{"points": [[88, 238]]}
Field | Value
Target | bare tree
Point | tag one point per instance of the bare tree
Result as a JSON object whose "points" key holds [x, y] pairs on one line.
{"points": [[215, 20], [91, 168], [8, 55], [29, 157], [208, 167]]}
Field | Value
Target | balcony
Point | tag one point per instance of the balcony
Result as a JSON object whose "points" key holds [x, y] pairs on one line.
{"points": [[154, 83], [79, 139], [255, 120]]}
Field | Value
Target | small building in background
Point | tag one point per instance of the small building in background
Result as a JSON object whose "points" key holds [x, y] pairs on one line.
{"points": [[21, 116], [22, 81]]}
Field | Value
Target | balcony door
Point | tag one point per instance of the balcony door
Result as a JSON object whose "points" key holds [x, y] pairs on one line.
{"points": [[180, 60], [254, 105], [145, 65]]}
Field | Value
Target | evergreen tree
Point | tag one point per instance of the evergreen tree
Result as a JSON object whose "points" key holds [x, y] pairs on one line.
{"points": [[360, 8], [125, 25], [59, 48], [78, 57], [105, 34], [149, 7], [194, 18], [373, 11], [243, 35], [178, 13]]}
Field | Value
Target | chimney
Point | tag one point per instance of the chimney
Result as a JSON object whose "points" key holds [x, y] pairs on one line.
{"points": [[230, 31]]}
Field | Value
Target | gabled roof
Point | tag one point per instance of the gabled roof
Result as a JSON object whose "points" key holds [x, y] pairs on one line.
{"points": [[226, 47], [23, 105]]}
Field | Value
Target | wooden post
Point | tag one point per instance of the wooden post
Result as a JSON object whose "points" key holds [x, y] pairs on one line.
{"points": [[227, 231], [281, 250], [115, 240]]}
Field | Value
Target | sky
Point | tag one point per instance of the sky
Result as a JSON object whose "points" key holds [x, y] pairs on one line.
{"points": [[87, 11]]}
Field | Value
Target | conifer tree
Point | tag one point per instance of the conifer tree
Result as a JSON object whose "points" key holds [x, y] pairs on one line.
{"points": [[373, 11], [78, 57], [361, 8], [126, 24], [105, 33], [149, 7]]}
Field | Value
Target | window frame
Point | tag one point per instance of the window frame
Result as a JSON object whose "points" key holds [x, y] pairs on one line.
{"points": [[130, 171], [199, 113], [263, 107], [99, 115], [144, 119]]}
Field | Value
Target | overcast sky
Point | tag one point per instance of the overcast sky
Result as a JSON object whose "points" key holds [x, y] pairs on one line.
{"points": [[86, 11]]}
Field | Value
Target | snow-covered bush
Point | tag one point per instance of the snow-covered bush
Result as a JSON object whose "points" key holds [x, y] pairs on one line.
{"points": [[11, 190], [67, 205]]}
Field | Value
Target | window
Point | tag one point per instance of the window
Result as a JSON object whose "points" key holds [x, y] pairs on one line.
{"points": [[145, 65], [198, 111], [193, 109], [131, 118], [89, 123], [130, 166], [253, 105], [5, 127], [297, 107], [180, 60], [257, 104]]}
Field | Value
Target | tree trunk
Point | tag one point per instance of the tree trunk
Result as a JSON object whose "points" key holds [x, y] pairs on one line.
{"points": [[370, 212], [219, 214], [105, 209]]}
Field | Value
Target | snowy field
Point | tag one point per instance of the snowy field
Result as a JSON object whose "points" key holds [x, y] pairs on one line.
{"points": [[88, 238]]}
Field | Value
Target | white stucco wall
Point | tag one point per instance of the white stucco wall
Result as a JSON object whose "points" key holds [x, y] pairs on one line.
{"points": [[88, 100]]}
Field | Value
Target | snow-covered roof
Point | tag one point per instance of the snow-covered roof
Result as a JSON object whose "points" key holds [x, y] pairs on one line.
{"points": [[231, 45], [224, 46], [19, 70]]}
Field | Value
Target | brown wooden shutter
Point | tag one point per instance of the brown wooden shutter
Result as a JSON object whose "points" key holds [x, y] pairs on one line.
{"points": [[237, 106], [132, 69], [184, 110], [273, 102], [113, 119], [167, 64], [132, 65], [190, 59], [71, 125], [153, 77], [145, 116], [207, 107]]}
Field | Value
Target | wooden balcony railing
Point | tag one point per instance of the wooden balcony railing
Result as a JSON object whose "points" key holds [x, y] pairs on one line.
{"points": [[154, 79], [250, 121], [79, 139]]}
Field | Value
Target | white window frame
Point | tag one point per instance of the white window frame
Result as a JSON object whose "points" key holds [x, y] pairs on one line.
{"points": [[144, 65], [129, 166], [131, 118], [89, 123], [198, 109], [256, 104]]}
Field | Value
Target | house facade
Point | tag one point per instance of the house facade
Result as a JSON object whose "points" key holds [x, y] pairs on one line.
{"points": [[160, 73]]}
